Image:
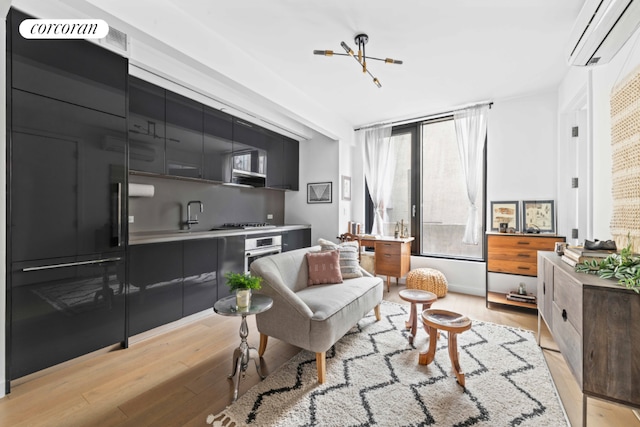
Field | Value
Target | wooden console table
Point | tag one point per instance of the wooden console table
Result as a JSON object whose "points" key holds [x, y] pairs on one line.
{"points": [[392, 256], [594, 323]]}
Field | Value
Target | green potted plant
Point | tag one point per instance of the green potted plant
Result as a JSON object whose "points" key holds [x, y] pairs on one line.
{"points": [[242, 284], [623, 266]]}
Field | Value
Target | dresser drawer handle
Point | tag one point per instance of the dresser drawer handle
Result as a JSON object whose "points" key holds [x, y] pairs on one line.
{"points": [[387, 255], [524, 243], [564, 314], [520, 267], [524, 255]]}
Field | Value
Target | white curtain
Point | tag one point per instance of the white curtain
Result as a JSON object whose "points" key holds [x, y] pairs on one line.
{"points": [[379, 169], [471, 132]]}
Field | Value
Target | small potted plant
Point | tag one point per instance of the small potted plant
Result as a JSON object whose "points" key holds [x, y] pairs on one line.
{"points": [[242, 284]]}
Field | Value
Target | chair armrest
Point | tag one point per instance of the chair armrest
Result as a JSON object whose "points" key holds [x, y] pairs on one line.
{"points": [[273, 286]]}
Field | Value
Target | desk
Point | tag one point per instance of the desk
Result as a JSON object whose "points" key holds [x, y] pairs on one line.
{"points": [[392, 256], [241, 355]]}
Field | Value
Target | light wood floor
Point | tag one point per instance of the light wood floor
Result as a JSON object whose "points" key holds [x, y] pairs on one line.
{"points": [[178, 377]]}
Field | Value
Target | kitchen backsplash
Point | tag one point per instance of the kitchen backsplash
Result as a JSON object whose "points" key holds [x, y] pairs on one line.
{"points": [[167, 209]]}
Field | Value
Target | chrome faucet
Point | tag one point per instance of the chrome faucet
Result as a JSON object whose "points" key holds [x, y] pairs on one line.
{"points": [[189, 220]]}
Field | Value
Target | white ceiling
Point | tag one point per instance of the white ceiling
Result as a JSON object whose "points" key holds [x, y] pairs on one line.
{"points": [[455, 52]]}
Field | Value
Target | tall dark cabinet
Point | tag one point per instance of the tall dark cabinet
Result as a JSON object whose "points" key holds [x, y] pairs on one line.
{"points": [[67, 180]]}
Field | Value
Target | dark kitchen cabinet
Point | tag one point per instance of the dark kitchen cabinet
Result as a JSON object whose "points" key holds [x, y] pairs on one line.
{"points": [[275, 161], [218, 132], [63, 308], [184, 136], [291, 169], [74, 71], [296, 239], [67, 178], [231, 258], [200, 283], [146, 127], [155, 285]]}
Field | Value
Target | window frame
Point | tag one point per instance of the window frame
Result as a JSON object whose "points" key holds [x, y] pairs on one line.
{"points": [[415, 128]]}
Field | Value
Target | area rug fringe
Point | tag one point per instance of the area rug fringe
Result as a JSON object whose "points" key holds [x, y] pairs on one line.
{"points": [[373, 378]]}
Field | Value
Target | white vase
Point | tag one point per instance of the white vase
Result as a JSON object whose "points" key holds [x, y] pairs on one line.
{"points": [[243, 298]]}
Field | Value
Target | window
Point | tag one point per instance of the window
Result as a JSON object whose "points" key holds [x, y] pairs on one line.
{"points": [[429, 191]]}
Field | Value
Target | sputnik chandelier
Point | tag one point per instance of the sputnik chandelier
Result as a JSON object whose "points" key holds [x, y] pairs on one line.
{"points": [[361, 40]]}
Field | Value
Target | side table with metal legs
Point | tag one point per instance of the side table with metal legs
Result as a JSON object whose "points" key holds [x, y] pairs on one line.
{"points": [[244, 353]]}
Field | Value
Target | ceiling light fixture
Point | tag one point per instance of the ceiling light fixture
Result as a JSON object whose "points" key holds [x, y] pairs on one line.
{"points": [[361, 58]]}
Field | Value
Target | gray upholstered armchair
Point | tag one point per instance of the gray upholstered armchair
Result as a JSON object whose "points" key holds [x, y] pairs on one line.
{"points": [[311, 317]]}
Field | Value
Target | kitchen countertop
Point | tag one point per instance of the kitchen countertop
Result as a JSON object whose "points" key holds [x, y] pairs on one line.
{"points": [[144, 237]]}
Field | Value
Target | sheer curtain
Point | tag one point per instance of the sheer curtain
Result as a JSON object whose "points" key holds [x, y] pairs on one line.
{"points": [[379, 169], [471, 132]]}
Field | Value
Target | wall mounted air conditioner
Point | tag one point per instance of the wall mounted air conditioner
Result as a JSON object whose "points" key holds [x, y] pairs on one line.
{"points": [[601, 29]]}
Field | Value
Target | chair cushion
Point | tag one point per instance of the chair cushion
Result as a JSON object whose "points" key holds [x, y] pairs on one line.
{"points": [[349, 264], [324, 267]]}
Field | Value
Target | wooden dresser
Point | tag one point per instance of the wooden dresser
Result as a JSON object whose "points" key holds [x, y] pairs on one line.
{"points": [[594, 322], [515, 254], [392, 256]]}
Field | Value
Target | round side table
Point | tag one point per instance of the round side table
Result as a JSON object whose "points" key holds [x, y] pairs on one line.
{"points": [[415, 297], [241, 355]]}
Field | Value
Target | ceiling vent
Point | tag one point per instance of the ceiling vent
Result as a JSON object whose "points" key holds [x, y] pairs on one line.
{"points": [[116, 41], [601, 29]]}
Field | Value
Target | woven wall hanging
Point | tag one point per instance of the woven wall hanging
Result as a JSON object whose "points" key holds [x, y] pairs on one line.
{"points": [[625, 152]]}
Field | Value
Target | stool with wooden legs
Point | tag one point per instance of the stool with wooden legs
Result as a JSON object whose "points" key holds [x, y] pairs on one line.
{"points": [[454, 323]]}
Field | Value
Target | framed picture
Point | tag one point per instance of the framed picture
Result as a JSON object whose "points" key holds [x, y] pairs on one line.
{"points": [[346, 187], [538, 216], [504, 212], [319, 192]]}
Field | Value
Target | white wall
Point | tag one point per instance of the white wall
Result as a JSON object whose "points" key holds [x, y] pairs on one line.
{"points": [[521, 149], [319, 162], [599, 82]]}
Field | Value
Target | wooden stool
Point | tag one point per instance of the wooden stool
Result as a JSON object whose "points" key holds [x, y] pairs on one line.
{"points": [[453, 323], [428, 279], [415, 297]]}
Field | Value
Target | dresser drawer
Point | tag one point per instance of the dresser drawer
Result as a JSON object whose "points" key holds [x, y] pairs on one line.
{"points": [[520, 255], [522, 243], [567, 296], [569, 342], [387, 264], [384, 248], [512, 266]]}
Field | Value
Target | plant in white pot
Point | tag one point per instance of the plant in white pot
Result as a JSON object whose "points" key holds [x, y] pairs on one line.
{"points": [[242, 284]]}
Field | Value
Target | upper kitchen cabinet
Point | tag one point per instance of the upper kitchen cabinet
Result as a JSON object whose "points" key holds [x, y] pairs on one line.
{"points": [[218, 132], [146, 126], [67, 172], [74, 71], [291, 169], [184, 136]]}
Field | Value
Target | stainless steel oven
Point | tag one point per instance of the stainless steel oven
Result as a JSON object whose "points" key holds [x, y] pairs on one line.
{"points": [[260, 246]]}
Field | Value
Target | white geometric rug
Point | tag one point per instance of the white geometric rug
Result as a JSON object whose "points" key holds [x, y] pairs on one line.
{"points": [[373, 378]]}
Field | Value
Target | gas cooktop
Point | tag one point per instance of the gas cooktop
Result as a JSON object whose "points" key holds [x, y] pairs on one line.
{"points": [[244, 226]]}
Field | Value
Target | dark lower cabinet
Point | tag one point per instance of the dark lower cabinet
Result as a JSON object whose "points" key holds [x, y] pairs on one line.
{"points": [[296, 239], [63, 308], [200, 283], [155, 285], [231, 258]]}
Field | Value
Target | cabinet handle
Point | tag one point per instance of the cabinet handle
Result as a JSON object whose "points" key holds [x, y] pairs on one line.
{"points": [[520, 267], [564, 314], [544, 288], [524, 255], [70, 264], [521, 242]]}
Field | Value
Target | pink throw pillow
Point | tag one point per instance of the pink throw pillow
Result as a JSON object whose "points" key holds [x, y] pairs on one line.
{"points": [[324, 267]]}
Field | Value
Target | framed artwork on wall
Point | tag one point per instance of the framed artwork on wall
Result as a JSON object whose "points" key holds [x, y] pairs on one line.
{"points": [[538, 216], [319, 192], [505, 213], [346, 187]]}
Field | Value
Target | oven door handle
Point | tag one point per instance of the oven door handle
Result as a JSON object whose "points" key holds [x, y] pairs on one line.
{"points": [[271, 250]]}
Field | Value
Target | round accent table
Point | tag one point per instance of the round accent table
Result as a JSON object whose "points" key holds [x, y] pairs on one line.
{"points": [[454, 324], [415, 297], [241, 355]]}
